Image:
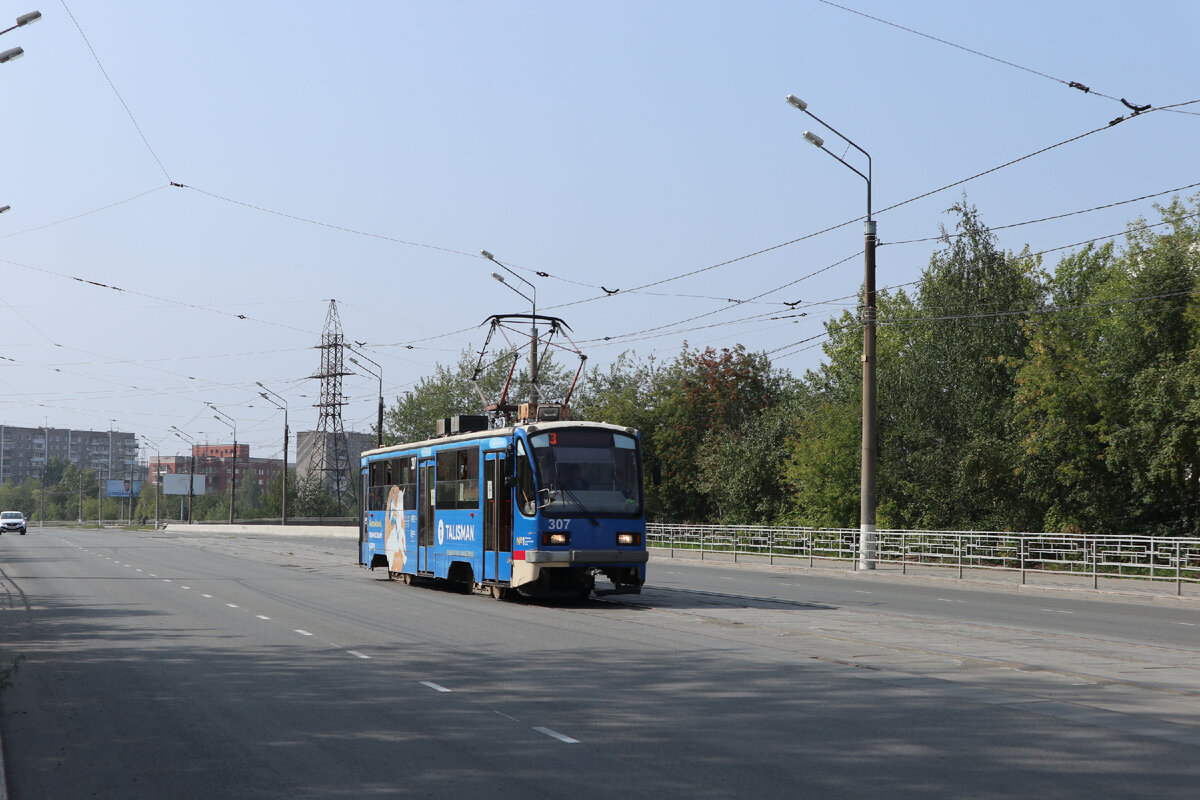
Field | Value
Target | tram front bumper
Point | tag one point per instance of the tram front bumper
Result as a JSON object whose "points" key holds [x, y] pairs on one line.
{"points": [[585, 557]]}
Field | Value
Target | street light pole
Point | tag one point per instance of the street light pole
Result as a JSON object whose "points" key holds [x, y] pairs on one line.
{"points": [[221, 416], [283, 501], [379, 375], [870, 447], [533, 332], [23, 20], [183, 437]]}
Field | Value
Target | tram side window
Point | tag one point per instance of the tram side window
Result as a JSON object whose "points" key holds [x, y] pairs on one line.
{"points": [[526, 494], [378, 479], [404, 475], [385, 474], [457, 479]]}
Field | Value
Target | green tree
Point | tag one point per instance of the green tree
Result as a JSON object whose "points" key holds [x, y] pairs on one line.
{"points": [[313, 499], [948, 449], [703, 394]]}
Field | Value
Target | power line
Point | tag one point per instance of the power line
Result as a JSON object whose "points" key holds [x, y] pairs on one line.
{"points": [[1069, 84], [113, 86], [1048, 219]]}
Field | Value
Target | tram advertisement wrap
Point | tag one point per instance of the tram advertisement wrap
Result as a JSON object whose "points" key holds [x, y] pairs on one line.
{"points": [[393, 528]]}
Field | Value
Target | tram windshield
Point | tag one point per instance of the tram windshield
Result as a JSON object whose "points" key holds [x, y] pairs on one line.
{"points": [[587, 471]]}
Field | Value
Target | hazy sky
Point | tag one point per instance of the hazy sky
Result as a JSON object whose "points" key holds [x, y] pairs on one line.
{"points": [[367, 151]]}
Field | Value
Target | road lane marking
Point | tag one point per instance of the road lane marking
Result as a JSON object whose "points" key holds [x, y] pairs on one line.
{"points": [[557, 735], [360, 655], [209, 596], [302, 633], [860, 591], [231, 605], [1189, 624], [185, 587], [260, 616], [1057, 611], [166, 580], [435, 687]]}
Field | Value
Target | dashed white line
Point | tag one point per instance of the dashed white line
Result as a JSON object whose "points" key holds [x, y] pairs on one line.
{"points": [[1057, 611], [1189, 624], [209, 596], [557, 735], [185, 587], [860, 591], [260, 616], [166, 580], [360, 655], [302, 633], [232, 605], [434, 686]]}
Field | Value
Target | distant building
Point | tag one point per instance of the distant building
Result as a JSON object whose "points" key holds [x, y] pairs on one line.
{"points": [[214, 462], [310, 443], [24, 452]]}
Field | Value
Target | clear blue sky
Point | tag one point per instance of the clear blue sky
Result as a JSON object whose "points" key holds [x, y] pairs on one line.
{"points": [[608, 144]]}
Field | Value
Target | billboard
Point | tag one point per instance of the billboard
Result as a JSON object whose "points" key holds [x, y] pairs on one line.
{"points": [[178, 484], [122, 488]]}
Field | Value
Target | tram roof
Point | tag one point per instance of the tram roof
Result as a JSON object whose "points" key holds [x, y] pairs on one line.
{"points": [[529, 428]]}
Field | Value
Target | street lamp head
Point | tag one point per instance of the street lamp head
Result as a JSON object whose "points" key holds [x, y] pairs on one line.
{"points": [[9, 55], [797, 102], [487, 255], [354, 360], [25, 19], [499, 277], [4, 208], [814, 139]]}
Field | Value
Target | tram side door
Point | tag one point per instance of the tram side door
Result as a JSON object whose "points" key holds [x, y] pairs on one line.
{"points": [[425, 525], [497, 518]]}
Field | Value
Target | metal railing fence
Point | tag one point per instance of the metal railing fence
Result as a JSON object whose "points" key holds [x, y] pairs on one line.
{"points": [[1148, 558]]}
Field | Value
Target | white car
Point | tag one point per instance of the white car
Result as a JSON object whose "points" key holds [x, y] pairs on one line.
{"points": [[12, 521]]}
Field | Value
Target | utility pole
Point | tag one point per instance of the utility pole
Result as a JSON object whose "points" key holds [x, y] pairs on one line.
{"points": [[283, 500], [870, 448]]}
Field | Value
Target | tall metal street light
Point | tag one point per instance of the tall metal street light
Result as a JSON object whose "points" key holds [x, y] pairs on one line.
{"points": [[870, 446], [533, 332], [23, 20], [263, 395], [222, 417], [4, 208], [373, 374], [11, 54], [183, 437]]}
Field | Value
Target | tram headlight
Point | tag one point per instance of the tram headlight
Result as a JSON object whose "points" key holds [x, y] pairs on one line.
{"points": [[629, 538], [556, 538]]}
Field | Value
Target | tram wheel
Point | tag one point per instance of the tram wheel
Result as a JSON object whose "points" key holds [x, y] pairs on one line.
{"points": [[497, 592], [406, 579]]}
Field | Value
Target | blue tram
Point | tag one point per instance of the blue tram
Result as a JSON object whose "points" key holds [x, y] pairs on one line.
{"points": [[540, 508]]}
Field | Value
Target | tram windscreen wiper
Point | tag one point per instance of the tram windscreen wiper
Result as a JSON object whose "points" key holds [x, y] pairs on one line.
{"points": [[582, 508]]}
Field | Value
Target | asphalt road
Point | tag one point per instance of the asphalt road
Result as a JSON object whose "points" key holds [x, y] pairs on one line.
{"points": [[156, 666]]}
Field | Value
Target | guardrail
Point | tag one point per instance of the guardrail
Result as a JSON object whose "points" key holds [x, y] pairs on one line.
{"points": [[1146, 558]]}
